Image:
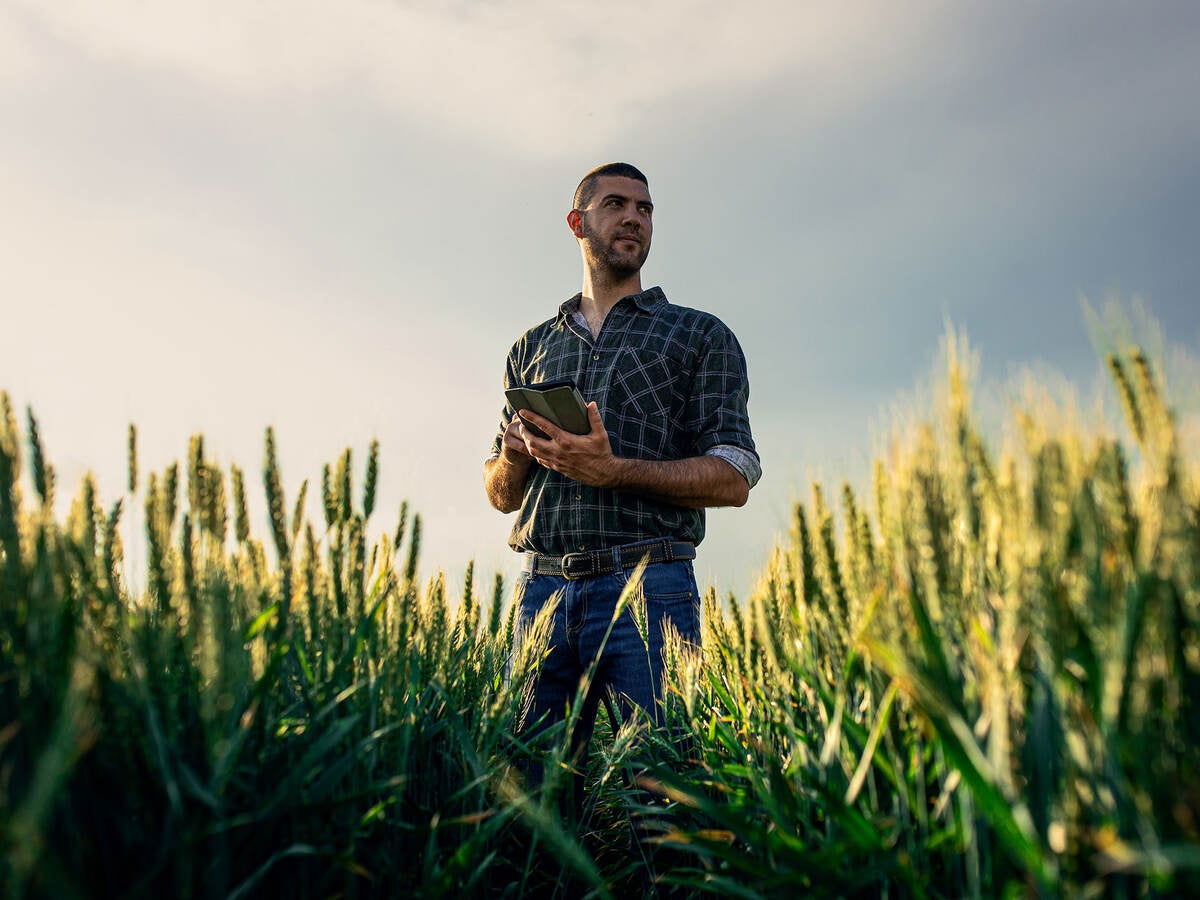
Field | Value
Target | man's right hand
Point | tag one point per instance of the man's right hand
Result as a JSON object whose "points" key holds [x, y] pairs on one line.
{"points": [[513, 447], [504, 476]]}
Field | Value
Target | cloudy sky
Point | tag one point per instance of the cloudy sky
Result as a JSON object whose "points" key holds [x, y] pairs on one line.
{"points": [[335, 218]]}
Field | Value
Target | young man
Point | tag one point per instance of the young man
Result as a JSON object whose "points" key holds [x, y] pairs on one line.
{"points": [[666, 394]]}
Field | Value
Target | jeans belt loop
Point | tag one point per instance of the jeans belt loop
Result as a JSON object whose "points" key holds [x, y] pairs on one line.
{"points": [[669, 546], [616, 559]]}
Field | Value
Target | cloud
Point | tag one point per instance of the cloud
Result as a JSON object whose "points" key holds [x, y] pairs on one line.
{"points": [[18, 61], [537, 76]]}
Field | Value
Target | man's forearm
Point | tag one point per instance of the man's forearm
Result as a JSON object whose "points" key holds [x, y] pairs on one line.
{"points": [[696, 482], [504, 482]]}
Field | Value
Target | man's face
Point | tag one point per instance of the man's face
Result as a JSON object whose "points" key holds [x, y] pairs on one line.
{"points": [[616, 226]]}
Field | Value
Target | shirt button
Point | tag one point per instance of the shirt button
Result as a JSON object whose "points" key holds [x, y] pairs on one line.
{"points": [[596, 356], [579, 496]]}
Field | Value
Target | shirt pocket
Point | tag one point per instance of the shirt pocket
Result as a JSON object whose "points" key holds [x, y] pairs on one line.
{"points": [[647, 396]]}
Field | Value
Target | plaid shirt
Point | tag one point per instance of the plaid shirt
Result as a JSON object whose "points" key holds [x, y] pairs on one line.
{"points": [[670, 383]]}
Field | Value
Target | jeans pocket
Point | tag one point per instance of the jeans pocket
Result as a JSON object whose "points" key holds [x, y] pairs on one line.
{"points": [[520, 588], [672, 596], [523, 616]]}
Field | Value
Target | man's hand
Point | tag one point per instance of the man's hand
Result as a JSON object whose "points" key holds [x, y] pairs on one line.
{"points": [[513, 447], [504, 477], [587, 458]]}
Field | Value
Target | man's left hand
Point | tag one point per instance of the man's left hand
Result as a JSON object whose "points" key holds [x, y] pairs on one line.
{"points": [[587, 458]]}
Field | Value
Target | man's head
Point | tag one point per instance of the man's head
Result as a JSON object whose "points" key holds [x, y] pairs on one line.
{"points": [[611, 219], [587, 187]]}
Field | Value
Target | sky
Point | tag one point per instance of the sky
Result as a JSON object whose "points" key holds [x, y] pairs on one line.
{"points": [[335, 219]]}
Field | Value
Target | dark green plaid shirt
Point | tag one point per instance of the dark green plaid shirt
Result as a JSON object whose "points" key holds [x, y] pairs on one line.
{"points": [[670, 383]]}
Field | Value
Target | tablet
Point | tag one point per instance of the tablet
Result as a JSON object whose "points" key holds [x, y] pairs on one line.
{"points": [[558, 401]]}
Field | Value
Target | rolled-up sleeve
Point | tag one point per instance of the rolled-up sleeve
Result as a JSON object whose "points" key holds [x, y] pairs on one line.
{"points": [[743, 460]]}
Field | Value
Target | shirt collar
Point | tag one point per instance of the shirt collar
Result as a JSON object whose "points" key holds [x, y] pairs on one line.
{"points": [[649, 300]]}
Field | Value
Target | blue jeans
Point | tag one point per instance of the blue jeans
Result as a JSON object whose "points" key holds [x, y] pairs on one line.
{"points": [[629, 667]]}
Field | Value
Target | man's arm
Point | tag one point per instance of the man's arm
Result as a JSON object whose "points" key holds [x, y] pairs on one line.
{"points": [[504, 476], [695, 482]]}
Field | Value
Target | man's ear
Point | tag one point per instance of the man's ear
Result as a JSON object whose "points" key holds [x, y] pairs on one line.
{"points": [[575, 222]]}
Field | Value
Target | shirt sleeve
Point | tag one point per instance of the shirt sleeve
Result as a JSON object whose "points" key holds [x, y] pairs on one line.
{"points": [[506, 414], [742, 460], [716, 410]]}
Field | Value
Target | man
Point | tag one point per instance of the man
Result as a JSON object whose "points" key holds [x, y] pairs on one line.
{"points": [[666, 393]]}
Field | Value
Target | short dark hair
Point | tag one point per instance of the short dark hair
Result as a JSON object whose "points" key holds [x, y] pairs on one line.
{"points": [[587, 187]]}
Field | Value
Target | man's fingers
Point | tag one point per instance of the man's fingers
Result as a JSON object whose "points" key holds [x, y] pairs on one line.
{"points": [[532, 418]]}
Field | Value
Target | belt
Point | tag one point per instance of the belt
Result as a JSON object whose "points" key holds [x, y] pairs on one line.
{"points": [[589, 563]]}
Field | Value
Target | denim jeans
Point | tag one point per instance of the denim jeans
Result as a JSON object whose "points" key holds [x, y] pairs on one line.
{"points": [[629, 667]]}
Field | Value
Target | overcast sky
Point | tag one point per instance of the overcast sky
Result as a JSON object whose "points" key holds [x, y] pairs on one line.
{"points": [[336, 218]]}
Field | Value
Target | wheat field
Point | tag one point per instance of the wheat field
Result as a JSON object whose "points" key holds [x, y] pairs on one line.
{"points": [[977, 679]]}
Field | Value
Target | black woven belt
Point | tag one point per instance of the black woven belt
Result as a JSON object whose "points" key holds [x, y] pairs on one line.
{"points": [[590, 563]]}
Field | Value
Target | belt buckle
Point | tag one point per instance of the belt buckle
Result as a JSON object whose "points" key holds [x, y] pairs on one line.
{"points": [[577, 565]]}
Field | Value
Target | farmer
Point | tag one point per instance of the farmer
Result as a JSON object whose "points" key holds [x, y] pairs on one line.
{"points": [[666, 393]]}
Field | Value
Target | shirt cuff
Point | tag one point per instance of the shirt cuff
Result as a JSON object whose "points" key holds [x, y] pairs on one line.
{"points": [[741, 459]]}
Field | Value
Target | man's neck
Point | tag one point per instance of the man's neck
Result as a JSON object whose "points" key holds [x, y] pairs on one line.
{"points": [[601, 294]]}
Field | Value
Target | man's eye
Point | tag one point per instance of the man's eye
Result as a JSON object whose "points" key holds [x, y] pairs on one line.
{"points": [[611, 202], [646, 210]]}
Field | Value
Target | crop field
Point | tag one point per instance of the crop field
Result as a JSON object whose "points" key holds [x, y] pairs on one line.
{"points": [[977, 679]]}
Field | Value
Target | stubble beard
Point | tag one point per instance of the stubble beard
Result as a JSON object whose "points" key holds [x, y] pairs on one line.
{"points": [[607, 260]]}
